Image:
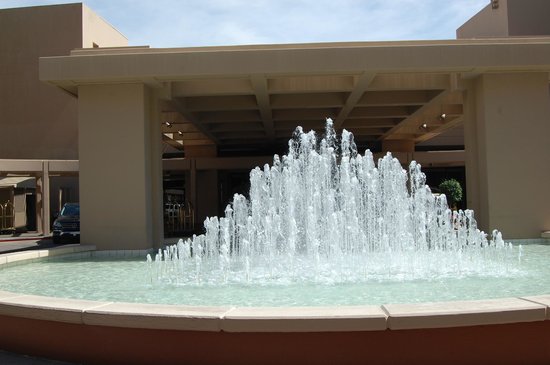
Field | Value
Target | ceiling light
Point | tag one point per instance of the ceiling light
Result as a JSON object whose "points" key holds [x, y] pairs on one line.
{"points": [[424, 126], [168, 124], [442, 117], [180, 133]]}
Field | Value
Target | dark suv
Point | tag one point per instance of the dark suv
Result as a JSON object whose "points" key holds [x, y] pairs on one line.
{"points": [[67, 224]]}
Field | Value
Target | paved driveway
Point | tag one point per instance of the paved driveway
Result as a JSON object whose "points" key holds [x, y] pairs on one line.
{"points": [[9, 244]]}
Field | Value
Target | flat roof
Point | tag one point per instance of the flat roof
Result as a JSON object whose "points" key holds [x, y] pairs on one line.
{"points": [[233, 95]]}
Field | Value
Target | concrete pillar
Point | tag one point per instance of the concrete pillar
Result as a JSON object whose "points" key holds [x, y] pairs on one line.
{"points": [[43, 200], [208, 195], [120, 167], [193, 199], [202, 185], [472, 139], [155, 160], [507, 132], [39, 203]]}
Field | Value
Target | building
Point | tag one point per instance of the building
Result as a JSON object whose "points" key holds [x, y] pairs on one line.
{"points": [[194, 120], [38, 121]]}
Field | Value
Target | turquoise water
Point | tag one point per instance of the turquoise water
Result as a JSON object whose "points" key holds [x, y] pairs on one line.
{"points": [[130, 280]]}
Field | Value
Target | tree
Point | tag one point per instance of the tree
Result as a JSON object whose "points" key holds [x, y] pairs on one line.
{"points": [[452, 190]]}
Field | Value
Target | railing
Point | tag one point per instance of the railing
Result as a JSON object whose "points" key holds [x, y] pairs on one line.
{"points": [[7, 216], [178, 217]]}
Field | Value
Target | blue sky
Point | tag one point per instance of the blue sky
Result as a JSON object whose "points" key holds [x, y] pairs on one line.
{"points": [[182, 23]]}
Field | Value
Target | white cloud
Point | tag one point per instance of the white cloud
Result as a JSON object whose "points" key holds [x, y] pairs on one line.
{"points": [[173, 23]]}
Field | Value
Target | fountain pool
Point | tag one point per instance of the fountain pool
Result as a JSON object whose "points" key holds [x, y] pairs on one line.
{"points": [[128, 280]]}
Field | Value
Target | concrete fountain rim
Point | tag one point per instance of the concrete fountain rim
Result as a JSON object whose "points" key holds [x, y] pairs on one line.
{"points": [[259, 319]]}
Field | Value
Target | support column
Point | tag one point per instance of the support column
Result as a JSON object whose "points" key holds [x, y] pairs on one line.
{"points": [[43, 200], [472, 138], [46, 198], [39, 203], [120, 171], [508, 152], [193, 187], [203, 184], [155, 155]]}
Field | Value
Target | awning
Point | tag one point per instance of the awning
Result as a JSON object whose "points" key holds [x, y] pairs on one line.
{"points": [[17, 182]]}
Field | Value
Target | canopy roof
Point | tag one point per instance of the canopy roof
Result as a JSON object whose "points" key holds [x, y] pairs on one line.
{"points": [[245, 95]]}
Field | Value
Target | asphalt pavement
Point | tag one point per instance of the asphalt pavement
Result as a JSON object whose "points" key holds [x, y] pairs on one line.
{"points": [[24, 242]]}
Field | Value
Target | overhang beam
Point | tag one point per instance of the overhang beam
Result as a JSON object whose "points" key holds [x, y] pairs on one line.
{"points": [[361, 86], [259, 84]]}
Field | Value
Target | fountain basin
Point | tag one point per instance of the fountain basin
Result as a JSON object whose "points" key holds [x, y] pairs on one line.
{"points": [[490, 331]]}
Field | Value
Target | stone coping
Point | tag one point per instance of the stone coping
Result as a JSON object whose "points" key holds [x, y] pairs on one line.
{"points": [[261, 319], [530, 241]]}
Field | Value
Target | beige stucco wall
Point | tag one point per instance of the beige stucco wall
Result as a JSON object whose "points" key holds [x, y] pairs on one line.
{"points": [[95, 30], [119, 179], [37, 121], [508, 153], [528, 17], [487, 23], [512, 18]]}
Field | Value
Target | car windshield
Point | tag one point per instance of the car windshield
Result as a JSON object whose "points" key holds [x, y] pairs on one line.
{"points": [[70, 210]]}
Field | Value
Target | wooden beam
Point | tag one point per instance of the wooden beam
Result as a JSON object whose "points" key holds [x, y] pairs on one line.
{"points": [[175, 127], [230, 116], [259, 85], [378, 112], [188, 136], [171, 142], [236, 127], [371, 123], [180, 107], [313, 100], [217, 103], [402, 136], [397, 97], [417, 113], [450, 123], [309, 124], [304, 114], [241, 135], [368, 131], [359, 89]]}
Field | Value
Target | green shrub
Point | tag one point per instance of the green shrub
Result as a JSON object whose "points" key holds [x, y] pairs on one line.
{"points": [[452, 190]]}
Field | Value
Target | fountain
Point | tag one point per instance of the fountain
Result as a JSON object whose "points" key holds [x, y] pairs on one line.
{"points": [[332, 259], [326, 214]]}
